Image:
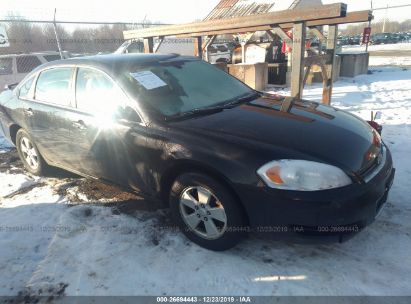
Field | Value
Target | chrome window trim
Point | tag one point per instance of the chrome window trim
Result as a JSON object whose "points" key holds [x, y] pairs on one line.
{"points": [[72, 106]]}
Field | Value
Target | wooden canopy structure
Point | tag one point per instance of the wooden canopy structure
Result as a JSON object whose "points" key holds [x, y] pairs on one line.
{"points": [[273, 23]]}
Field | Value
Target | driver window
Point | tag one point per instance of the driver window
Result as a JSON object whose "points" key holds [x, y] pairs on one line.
{"points": [[97, 93]]}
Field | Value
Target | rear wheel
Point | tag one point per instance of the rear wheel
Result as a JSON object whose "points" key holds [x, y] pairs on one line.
{"points": [[207, 212], [29, 154]]}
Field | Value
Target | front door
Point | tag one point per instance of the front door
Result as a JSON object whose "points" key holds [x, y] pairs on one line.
{"points": [[109, 138]]}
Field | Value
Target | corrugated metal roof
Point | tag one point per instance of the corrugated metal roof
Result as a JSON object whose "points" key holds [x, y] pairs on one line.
{"points": [[236, 8]]}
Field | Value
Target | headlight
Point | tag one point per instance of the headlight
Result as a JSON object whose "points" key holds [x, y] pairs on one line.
{"points": [[302, 175]]}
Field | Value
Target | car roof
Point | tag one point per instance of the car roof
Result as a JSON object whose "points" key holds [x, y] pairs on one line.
{"points": [[116, 63]]}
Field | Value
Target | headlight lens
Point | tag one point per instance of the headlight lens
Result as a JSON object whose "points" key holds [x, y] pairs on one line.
{"points": [[302, 175]]}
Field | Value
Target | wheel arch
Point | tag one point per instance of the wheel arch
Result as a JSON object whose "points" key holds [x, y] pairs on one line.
{"points": [[180, 167], [14, 128]]}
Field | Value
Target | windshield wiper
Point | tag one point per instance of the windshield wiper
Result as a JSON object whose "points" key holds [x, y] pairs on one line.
{"points": [[211, 110], [239, 100], [195, 112]]}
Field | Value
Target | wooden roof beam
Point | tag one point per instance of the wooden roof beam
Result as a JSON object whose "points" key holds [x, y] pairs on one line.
{"points": [[353, 17], [288, 16]]}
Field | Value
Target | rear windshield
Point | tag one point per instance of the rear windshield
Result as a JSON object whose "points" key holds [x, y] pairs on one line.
{"points": [[174, 87], [52, 57]]}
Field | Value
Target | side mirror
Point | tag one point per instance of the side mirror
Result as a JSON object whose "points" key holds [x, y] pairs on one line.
{"points": [[10, 86], [127, 123], [127, 116]]}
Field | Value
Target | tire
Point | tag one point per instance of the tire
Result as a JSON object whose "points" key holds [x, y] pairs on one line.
{"points": [[199, 204], [29, 154]]}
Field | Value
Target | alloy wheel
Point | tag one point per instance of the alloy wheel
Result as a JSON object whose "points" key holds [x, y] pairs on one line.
{"points": [[203, 212], [29, 153]]}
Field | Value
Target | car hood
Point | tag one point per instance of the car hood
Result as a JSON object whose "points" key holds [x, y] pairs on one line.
{"points": [[322, 132]]}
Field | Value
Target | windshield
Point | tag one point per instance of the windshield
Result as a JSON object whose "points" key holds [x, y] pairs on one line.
{"points": [[179, 86]]}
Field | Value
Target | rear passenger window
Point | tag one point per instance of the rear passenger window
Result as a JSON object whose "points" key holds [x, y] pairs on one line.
{"points": [[54, 86], [6, 66], [25, 88], [26, 64]]}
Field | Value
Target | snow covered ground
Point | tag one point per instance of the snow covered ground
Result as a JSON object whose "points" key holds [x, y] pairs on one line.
{"points": [[390, 61], [403, 46], [398, 54], [56, 238]]}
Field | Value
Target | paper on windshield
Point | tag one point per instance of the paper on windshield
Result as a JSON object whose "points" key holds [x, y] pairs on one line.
{"points": [[148, 80]]}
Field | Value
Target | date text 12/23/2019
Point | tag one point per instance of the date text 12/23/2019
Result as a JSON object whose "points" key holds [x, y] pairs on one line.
{"points": [[207, 299]]}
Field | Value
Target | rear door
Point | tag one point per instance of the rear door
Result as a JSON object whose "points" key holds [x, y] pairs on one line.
{"points": [[47, 114]]}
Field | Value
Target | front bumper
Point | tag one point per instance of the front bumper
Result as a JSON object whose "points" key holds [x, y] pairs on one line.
{"points": [[338, 210]]}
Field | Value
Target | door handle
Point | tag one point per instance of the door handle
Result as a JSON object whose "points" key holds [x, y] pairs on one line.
{"points": [[29, 112], [80, 125]]}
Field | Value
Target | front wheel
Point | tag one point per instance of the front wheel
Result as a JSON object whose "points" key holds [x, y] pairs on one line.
{"points": [[29, 154], [207, 212]]}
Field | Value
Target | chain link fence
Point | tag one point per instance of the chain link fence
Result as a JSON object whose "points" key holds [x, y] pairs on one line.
{"points": [[27, 44], [24, 45], [25, 37]]}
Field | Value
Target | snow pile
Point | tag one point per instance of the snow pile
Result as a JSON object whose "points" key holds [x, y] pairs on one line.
{"points": [[96, 250], [25, 234], [386, 90], [4, 144], [10, 183]]}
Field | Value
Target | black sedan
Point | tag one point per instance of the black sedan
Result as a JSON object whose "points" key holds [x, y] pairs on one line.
{"points": [[226, 158]]}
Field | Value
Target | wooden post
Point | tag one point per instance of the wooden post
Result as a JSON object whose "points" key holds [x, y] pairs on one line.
{"points": [[206, 44], [297, 72], [148, 45], [331, 45], [279, 32], [243, 39], [198, 47], [319, 34], [243, 51], [157, 46]]}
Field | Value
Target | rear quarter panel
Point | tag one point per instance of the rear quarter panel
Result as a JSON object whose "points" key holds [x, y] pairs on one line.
{"points": [[11, 112]]}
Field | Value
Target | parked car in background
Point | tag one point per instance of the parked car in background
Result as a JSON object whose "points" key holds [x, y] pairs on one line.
{"points": [[224, 157], [130, 47], [14, 67], [349, 40], [219, 52], [385, 38]]}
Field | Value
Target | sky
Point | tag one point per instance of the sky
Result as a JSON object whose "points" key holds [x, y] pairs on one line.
{"points": [[166, 11]]}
